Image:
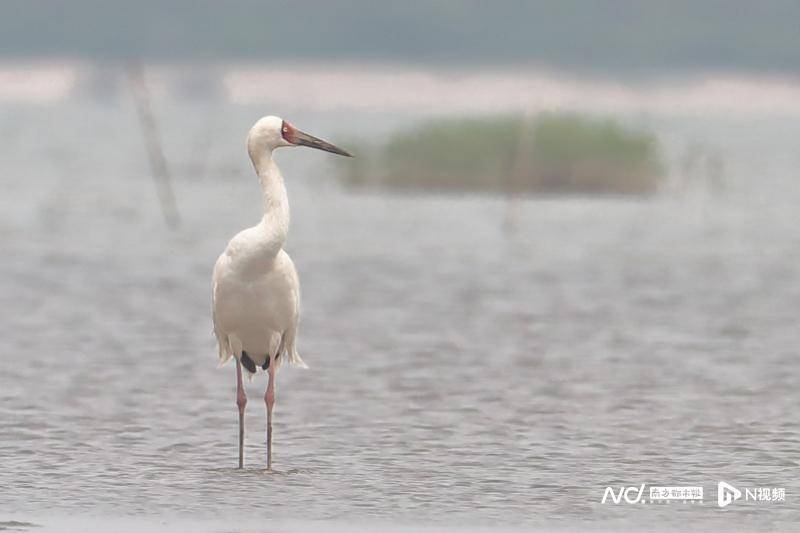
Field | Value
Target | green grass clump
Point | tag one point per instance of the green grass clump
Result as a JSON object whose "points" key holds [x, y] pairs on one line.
{"points": [[554, 152]]}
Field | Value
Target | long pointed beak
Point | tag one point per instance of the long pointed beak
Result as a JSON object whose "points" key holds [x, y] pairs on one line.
{"points": [[304, 139]]}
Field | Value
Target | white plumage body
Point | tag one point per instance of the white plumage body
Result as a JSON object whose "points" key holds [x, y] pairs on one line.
{"points": [[256, 307]]}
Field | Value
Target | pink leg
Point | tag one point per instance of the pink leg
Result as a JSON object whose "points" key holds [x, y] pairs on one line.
{"points": [[241, 402], [269, 399]]}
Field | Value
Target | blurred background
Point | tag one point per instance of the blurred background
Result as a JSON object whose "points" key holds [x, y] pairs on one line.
{"points": [[564, 258]]}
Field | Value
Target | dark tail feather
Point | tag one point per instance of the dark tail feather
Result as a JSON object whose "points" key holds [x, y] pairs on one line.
{"points": [[280, 350], [248, 363], [266, 363]]}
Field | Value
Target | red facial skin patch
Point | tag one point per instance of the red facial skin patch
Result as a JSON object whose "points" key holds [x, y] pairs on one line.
{"points": [[288, 132]]}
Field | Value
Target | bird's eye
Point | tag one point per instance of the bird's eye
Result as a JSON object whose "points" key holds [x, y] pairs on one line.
{"points": [[285, 129]]}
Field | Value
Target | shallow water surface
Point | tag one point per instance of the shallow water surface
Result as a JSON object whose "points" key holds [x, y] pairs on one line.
{"points": [[460, 374]]}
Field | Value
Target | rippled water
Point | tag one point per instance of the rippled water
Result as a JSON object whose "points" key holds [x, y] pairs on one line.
{"points": [[460, 374]]}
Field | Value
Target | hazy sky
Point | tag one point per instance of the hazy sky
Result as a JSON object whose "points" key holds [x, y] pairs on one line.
{"points": [[576, 34]]}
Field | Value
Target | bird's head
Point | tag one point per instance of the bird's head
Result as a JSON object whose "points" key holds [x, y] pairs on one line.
{"points": [[273, 132]]}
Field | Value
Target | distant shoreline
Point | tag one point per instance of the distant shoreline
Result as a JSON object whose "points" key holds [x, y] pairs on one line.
{"points": [[371, 87]]}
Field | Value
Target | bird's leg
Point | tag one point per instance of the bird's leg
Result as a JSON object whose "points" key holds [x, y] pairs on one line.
{"points": [[241, 402], [269, 399]]}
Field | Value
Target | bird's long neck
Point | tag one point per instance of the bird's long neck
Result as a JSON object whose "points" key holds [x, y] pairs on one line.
{"points": [[274, 225]]}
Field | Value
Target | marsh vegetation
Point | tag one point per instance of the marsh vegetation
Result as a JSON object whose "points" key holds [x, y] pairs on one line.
{"points": [[548, 153]]}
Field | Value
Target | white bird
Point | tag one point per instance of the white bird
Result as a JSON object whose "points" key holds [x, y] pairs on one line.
{"points": [[256, 292]]}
